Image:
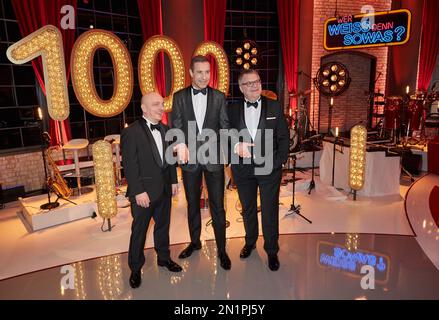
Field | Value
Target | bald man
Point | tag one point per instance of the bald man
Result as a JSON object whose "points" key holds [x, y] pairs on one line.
{"points": [[151, 183]]}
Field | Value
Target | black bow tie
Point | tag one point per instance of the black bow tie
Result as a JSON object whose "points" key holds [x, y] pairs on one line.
{"points": [[252, 104], [155, 127], [196, 91]]}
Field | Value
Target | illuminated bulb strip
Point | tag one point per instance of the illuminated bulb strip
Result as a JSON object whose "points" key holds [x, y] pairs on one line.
{"points": [[47, 43], [152, 47], [210, 47], [357, 157], [82, 73], [105, 179]]}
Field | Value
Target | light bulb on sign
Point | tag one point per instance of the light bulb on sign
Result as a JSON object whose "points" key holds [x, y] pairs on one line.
{"points": [[40, 113], [407, 90], [332, 102]]}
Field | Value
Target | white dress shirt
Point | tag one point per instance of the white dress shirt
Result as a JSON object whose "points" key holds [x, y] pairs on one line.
{"points": [[199, 102], [251, 116], [157, 137]]}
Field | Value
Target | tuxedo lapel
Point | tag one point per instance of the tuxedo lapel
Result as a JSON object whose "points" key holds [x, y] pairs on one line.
{"points": [[153, 146], [189, 105], [209, 106], [164, 144], [242, 125]]}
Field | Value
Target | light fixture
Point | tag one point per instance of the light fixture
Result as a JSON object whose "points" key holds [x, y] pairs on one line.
{"points": [[332, 79], [357, 158], [247, 54]]}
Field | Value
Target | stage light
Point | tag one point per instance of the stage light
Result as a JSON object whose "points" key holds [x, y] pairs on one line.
{"points": [[82, 73], [212, 48], [146, 68], [357, 157], [47, 43], [247, 54], [105, 179], [332, 79]]}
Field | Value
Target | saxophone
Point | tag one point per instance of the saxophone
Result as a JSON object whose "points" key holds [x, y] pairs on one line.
{"points": [[56, 183]]}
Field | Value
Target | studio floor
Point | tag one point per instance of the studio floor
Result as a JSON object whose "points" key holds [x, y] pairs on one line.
{"points": [[321, 260]]}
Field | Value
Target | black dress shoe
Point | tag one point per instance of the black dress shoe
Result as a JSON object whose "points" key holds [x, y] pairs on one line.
{"points": [[246, 251], [135, 279], [171, 265], [273, 262], [189, 249], [225, 262]]}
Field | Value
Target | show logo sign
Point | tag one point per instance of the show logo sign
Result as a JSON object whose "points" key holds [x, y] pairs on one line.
{"points": [[367, 30]]}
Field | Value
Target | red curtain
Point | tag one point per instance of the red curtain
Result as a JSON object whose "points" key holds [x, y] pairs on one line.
{"points": [[33, 15], [288, 13], [429, 43], [151, 19], [214, 24]]}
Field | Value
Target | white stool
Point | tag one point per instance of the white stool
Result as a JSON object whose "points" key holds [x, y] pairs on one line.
{"points": [[114, 139], [75, 145]]}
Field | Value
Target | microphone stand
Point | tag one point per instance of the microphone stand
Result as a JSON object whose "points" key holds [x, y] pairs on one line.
{"points": [[295, 209]]}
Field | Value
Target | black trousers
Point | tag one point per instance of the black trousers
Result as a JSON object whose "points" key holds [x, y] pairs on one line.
{"points": [[269, 186], [160, 211], [215, 189]]}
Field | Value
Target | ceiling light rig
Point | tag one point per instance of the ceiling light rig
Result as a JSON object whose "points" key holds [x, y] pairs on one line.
{"points": [[247, 55], [332, 79]]}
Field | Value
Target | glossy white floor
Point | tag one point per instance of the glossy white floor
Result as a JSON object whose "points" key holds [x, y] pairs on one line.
{"points": [[315, 264]]}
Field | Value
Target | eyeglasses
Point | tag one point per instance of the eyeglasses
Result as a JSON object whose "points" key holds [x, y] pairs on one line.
{"points": [[251, 83]]}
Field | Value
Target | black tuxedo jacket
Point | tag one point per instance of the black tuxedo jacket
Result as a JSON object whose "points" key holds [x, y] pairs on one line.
{"points": [[216, 118], [272, 117], [142, 165]]}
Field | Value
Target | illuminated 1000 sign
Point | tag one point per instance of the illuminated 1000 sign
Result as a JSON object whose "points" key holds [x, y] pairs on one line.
{"points": [[47, 43]]}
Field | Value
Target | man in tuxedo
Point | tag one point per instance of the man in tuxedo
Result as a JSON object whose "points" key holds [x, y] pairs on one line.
{"points": [[151, 183], [196, 110], [259, 118]]}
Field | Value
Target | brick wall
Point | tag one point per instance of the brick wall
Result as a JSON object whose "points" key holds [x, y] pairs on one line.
{"points": [[324, 9]]}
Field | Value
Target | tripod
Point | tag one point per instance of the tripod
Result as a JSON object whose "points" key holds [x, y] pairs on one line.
{"points": [[295, 209]]}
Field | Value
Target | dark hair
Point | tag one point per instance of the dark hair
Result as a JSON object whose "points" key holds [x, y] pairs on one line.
{"points": [[246, 71], [196, 59]]}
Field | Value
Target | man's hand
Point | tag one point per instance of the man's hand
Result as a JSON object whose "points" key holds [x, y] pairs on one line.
{"points": [[174, 189], [241, 149], [182, 153], [142, 200]]}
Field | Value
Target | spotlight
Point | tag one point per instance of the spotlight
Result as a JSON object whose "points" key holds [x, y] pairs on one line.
{"points": [[247, 54], [332, 79]]}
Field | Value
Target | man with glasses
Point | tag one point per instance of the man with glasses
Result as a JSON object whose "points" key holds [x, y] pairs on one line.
{"points": [[256, 115]]}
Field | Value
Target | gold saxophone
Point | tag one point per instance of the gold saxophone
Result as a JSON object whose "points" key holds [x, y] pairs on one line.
{"points": [[56, 183]]}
